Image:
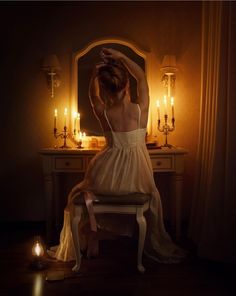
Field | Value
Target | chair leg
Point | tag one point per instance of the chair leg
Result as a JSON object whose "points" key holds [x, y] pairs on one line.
{"points": [[75, 236], [142, 234]]}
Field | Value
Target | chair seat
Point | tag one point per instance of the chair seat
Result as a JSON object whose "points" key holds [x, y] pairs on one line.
{"points": [[128, 199]]}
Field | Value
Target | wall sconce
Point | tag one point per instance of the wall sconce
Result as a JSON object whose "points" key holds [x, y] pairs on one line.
{"points": [[169, 69], [51, 67]]}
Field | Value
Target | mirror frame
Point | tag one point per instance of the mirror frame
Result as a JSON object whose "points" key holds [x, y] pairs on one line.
{"points": [[78, 54]]}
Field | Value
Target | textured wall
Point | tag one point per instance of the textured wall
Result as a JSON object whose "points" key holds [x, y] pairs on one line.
{"points": [[29, 31]]}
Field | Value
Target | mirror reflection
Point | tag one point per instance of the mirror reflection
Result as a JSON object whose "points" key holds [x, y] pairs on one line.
{"points": [[85, 64]]}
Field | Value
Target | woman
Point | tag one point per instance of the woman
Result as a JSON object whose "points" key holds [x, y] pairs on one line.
{"points": [[124, 165]]}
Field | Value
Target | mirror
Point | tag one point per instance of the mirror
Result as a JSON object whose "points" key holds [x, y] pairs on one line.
{"points": [[83, 64]]}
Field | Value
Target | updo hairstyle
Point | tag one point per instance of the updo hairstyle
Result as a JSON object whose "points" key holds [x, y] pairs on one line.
{"points": [[113, 77]]}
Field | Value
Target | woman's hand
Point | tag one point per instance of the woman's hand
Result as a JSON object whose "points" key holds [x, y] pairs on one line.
{"points": [[96, 68], [110, 54]]}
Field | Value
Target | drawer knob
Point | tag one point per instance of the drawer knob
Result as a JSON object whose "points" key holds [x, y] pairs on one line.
{"points": [[67, 163], [158, 163]]}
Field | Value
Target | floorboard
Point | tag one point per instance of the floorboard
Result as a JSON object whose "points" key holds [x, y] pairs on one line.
{"points": [[112, 273]]}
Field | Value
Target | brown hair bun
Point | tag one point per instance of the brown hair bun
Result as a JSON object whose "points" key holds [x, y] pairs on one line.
{"points": [[113, 77]]}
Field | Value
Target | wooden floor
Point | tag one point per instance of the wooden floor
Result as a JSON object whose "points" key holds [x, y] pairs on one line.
{"points": [[113, 273]]}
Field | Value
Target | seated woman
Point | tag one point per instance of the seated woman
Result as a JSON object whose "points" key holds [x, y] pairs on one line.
{"points": [[124, 165]]}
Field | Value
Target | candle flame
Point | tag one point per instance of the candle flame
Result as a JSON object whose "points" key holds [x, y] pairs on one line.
{"points": [[165, 100], [55, 112], [78, 116], [38, 249], [65, 112], [75, 115], [172, 101], [84, 134], [158, 104]]}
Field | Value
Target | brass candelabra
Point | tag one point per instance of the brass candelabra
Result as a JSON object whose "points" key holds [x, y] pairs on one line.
{"points": [[166, 129], [67, 135], [63, 135]]}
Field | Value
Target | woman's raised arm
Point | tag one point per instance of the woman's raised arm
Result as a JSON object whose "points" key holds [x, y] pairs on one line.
{"points": [[135, 70], [94, 93]]}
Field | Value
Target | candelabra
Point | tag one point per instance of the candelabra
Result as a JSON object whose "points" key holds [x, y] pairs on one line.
{"points": [[166, 129], [169, 76], [63, 135], [66, 135]]}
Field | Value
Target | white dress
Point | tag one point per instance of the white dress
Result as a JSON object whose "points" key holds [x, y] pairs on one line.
{"points": [[123, 167]]}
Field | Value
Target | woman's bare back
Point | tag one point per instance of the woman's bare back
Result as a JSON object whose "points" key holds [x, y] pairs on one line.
{"points": [[123, 117]]}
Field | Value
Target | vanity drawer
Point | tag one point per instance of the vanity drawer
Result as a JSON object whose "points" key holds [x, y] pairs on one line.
{"points": [[69, 164], [162, 163]]}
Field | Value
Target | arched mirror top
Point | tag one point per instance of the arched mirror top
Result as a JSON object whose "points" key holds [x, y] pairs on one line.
{"points": [[82, 64]]}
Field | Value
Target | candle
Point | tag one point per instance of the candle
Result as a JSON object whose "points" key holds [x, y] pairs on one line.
{"points": [[85, 140], [81, 138], [75, 122], [55, 118], [38, 262], [78, 121], [37, 249], [65, 117], [158, 109], [172, 107], [165, 104]]}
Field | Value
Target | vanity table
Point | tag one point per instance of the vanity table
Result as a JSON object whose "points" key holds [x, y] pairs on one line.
{"points": [[57, 161]]}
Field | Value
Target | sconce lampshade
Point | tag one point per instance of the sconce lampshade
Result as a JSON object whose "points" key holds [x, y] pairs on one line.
{"points": [[169, 64], [51, 62]]}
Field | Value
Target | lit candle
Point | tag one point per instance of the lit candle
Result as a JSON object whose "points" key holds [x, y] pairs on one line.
{"points": [[158, 109], [165, 104], [38, 262], [37, 249], [81, 138], [85, 140], [172, 107], [65, 117], [78, 121], [75, 122], [55, 118]]}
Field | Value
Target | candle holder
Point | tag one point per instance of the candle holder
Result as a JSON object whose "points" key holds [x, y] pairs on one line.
{"points": [[166, 129], [78, 143], [63, 135]]}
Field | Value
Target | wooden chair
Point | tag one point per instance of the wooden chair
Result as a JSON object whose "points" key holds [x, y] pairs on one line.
{"points": [[134, 204]]}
